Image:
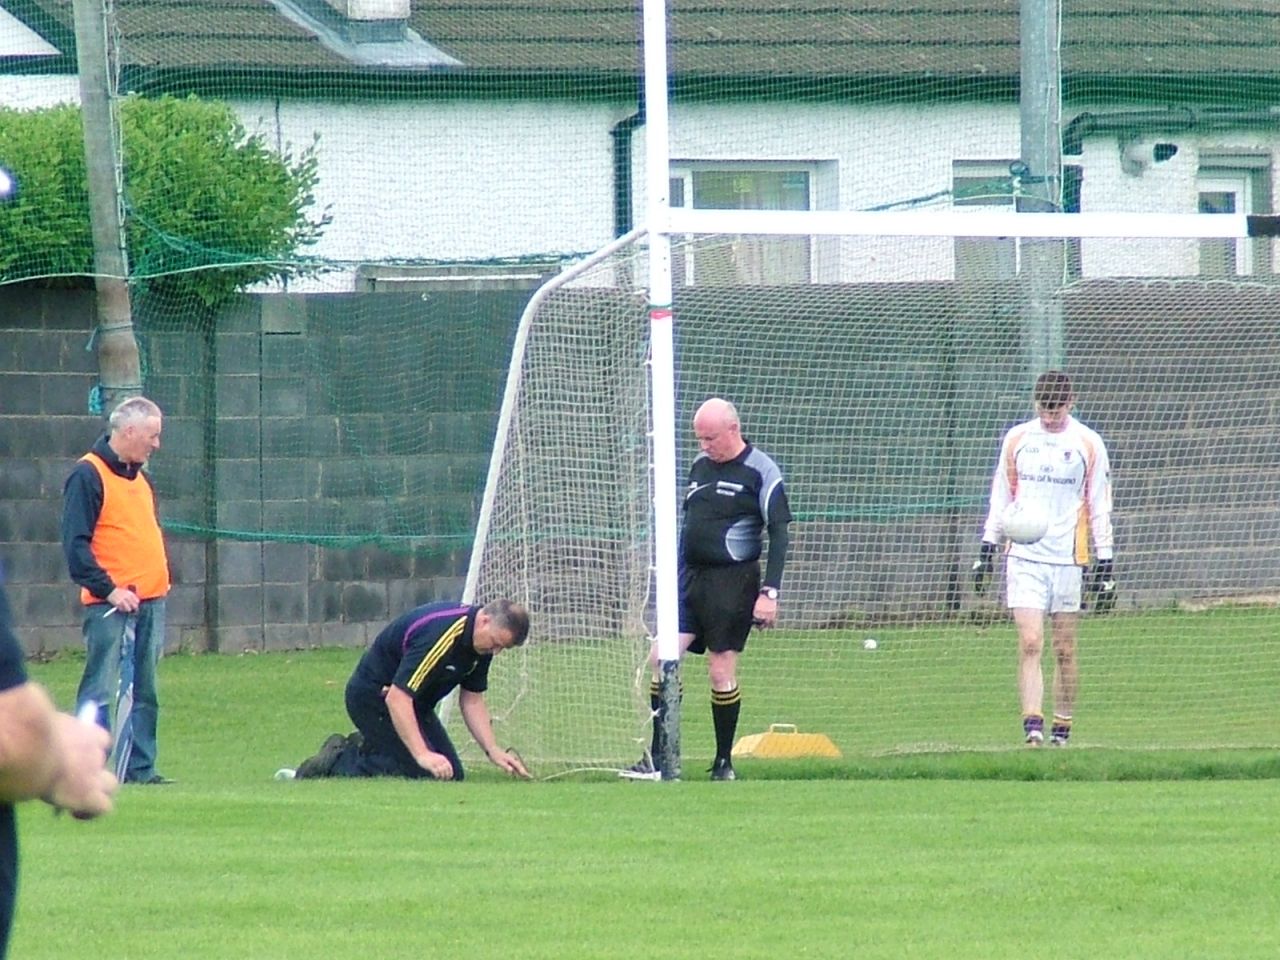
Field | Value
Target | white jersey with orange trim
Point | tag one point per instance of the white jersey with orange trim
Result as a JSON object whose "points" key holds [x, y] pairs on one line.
{"points": [[1070, 473]]}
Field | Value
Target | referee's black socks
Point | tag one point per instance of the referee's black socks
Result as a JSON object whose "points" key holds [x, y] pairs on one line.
{"points": [[725, 706]]}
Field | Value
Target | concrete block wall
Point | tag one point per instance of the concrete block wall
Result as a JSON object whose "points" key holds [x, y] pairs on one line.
{"points": [[1181, 378], [257, 441], [254, 442], [46, 373]]}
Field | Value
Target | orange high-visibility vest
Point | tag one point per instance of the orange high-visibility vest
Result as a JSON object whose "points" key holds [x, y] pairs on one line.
{"points": [[126, 540]]}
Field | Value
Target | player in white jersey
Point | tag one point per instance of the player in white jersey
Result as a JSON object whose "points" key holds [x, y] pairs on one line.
{"points": [[1058, 461]]}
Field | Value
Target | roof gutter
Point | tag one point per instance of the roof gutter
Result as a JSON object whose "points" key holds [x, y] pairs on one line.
{"points": [[622, 133], [1171, 120]]}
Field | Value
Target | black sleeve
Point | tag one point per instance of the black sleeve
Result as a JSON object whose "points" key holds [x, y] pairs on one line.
{"points": [[779, 540], [13, 672], [81, 505], [779, 537], [477, 681]]}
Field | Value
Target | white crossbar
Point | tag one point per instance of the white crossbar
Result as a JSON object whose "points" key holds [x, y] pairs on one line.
{"points": [[951, 223]]}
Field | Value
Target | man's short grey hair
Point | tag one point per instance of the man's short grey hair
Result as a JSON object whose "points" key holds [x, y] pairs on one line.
{"points": [[132, 410], [509, 615]]}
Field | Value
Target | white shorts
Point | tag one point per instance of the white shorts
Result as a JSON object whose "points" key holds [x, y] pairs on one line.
{"points": [[1051, 587]]}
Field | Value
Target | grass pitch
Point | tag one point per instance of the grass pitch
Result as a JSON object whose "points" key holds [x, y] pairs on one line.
{"points": [[983, 855]]}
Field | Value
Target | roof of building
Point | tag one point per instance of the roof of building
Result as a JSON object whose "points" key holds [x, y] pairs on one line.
{"points": [[762, 40]]}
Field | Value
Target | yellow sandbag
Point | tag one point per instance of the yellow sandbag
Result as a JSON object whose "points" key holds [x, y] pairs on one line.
{"points": [[783, 740]]}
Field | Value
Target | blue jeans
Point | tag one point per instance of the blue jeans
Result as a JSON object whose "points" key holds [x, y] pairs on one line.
{"points": [[101, 678]]}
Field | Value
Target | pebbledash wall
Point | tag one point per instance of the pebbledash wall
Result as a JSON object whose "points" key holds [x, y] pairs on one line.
{"points": [[253, 442]]}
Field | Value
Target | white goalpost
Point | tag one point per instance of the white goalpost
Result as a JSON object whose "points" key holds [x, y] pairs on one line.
{"points": [[884, 403], [662, 389], [879, 356]]}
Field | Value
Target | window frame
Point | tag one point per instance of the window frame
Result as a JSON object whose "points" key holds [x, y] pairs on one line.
{"points": [[1240, 183], [681, 175]]}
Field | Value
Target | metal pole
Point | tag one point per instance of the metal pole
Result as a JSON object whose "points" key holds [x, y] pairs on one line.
{"points": [[1038, 178]]}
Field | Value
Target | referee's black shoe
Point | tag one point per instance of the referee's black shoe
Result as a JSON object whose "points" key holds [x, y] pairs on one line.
{"points": [[722, 769]]}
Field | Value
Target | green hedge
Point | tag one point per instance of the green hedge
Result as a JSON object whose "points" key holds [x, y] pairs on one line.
{"points": [[209, 207]]}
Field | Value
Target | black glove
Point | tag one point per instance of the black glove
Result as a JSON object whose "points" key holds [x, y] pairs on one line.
{"points": [[983, 567], [1102, 584]]}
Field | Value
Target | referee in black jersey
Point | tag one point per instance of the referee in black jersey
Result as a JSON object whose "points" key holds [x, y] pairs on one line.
{"points": [[735, 493]]}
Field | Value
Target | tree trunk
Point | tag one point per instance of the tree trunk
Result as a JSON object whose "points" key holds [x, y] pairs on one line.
{"points": [[119, 369]]}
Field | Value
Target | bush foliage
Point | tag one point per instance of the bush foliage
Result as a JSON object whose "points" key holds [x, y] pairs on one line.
{"points": [[209, 207]]}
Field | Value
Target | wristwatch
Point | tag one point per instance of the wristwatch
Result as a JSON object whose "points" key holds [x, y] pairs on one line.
{"points": [[770, 592]]}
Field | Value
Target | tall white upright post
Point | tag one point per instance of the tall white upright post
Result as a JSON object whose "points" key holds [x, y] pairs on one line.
{"points": [[662, 382]]}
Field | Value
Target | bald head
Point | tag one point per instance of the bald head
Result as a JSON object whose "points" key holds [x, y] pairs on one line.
{"points": [[718, 430], [717, 411]]}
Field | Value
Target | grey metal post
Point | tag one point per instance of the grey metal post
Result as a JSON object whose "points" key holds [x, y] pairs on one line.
{"points": [[668, 759], [1038, 179]]}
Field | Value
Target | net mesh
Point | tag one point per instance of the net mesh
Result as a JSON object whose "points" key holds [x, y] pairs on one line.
{"points": [[336, 212], [417, 169], [884, 404]]}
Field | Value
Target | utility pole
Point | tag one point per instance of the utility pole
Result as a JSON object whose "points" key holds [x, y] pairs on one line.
{"points": [[1038, 180], [119, 369]]}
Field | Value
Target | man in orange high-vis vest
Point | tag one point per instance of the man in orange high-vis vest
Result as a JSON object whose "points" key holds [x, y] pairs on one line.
{"points": [[115, 552]]}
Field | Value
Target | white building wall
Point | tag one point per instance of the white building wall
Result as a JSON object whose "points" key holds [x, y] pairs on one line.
{"points": [[893, 154], [884, 154], [455, 180], [478, 180], [877, 155], [35, 92], [1169, 187]]}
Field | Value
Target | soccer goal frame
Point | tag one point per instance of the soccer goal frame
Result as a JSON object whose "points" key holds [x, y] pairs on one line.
{"points": [[669, 227]]}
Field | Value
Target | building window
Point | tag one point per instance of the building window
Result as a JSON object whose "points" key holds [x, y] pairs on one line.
{"points": [[988, 184], [743, 259], [1234, 184], [412, 278]]}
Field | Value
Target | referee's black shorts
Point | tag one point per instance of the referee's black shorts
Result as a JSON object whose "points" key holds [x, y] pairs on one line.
{"points": [[717, 604]]}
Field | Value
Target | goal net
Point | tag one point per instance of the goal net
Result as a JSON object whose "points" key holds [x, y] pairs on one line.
{"points": [[881, 373]]}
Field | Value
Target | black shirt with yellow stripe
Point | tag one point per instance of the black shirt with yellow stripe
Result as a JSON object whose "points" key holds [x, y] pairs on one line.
{"points": [[426, 653]]}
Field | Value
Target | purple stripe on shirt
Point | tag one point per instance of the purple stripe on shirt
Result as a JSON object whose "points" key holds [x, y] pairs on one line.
{"points": [[452, 613]]}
